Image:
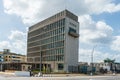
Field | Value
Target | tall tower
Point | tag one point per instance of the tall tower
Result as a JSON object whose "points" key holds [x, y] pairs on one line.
{"points": [[54, 42]]}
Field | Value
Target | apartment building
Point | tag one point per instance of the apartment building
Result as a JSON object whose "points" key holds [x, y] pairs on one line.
{"points": [[54, 42]]}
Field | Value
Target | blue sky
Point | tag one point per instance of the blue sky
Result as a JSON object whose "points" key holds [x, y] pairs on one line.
{"points": [[99, 24], [9, 23], [111, 19]]}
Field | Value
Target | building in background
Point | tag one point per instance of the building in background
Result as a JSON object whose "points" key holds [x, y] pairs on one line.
{"points": [[54, 42], [11, 61], [1, 57], [7, 56], [83, 67]]}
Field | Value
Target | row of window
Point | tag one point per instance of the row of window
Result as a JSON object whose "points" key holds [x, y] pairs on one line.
{"points": [[53, 58], [48, 34], [48, 40], [57, 51], [49, 27], [9, 56], [34, 49], [33, 54], [47, 46], [10, 60], [52, 39], [48, 58], [53, 45]]}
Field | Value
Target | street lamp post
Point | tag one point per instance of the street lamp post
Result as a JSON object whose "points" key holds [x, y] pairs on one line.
{"points": [[40, 73], [92, 60], [40, 62]]}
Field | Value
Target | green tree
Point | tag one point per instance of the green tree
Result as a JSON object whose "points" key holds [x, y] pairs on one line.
{"points": [[107, 60]]}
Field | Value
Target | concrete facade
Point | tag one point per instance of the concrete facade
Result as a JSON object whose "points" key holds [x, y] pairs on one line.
{"points": [[71, 44], [55, 41]]}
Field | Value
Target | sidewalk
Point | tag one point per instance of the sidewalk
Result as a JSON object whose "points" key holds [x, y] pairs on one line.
{"points": [[7, 74], [62, 75], [12, 74]]}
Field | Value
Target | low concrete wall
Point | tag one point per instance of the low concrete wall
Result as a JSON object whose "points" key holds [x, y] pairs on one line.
{"points": [[22, 73]]}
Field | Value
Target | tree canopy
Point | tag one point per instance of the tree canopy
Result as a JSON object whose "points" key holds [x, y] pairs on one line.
{"points": [[108, 60]]}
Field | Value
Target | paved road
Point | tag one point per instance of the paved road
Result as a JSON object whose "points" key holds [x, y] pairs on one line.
{"points": [[2, 77], [12, 77]]}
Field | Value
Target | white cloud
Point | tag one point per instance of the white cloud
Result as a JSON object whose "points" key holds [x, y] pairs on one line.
{"points": [[26, 9], [4, 45], [116, 44], [20, 46], [17, 35], [85, 55], [32, 11], [100, 6], [100, 34], [94, 32], [17, 42], [112, 8]]}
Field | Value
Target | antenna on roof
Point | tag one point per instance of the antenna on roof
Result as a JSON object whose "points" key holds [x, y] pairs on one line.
{"points": [[65, 4]]}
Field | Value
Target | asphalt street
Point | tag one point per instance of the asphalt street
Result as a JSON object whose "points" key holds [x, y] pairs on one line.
{"points": [[2, 77], [11, 76]]}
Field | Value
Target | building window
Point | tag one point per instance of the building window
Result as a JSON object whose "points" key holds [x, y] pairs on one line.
{"points": [[72, 30], [60, 66]]}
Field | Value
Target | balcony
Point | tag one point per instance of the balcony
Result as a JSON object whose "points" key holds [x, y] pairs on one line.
{"points": [[73, 34]]}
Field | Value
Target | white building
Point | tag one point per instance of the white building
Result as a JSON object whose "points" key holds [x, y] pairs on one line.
{"points": [[102, 65]]}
